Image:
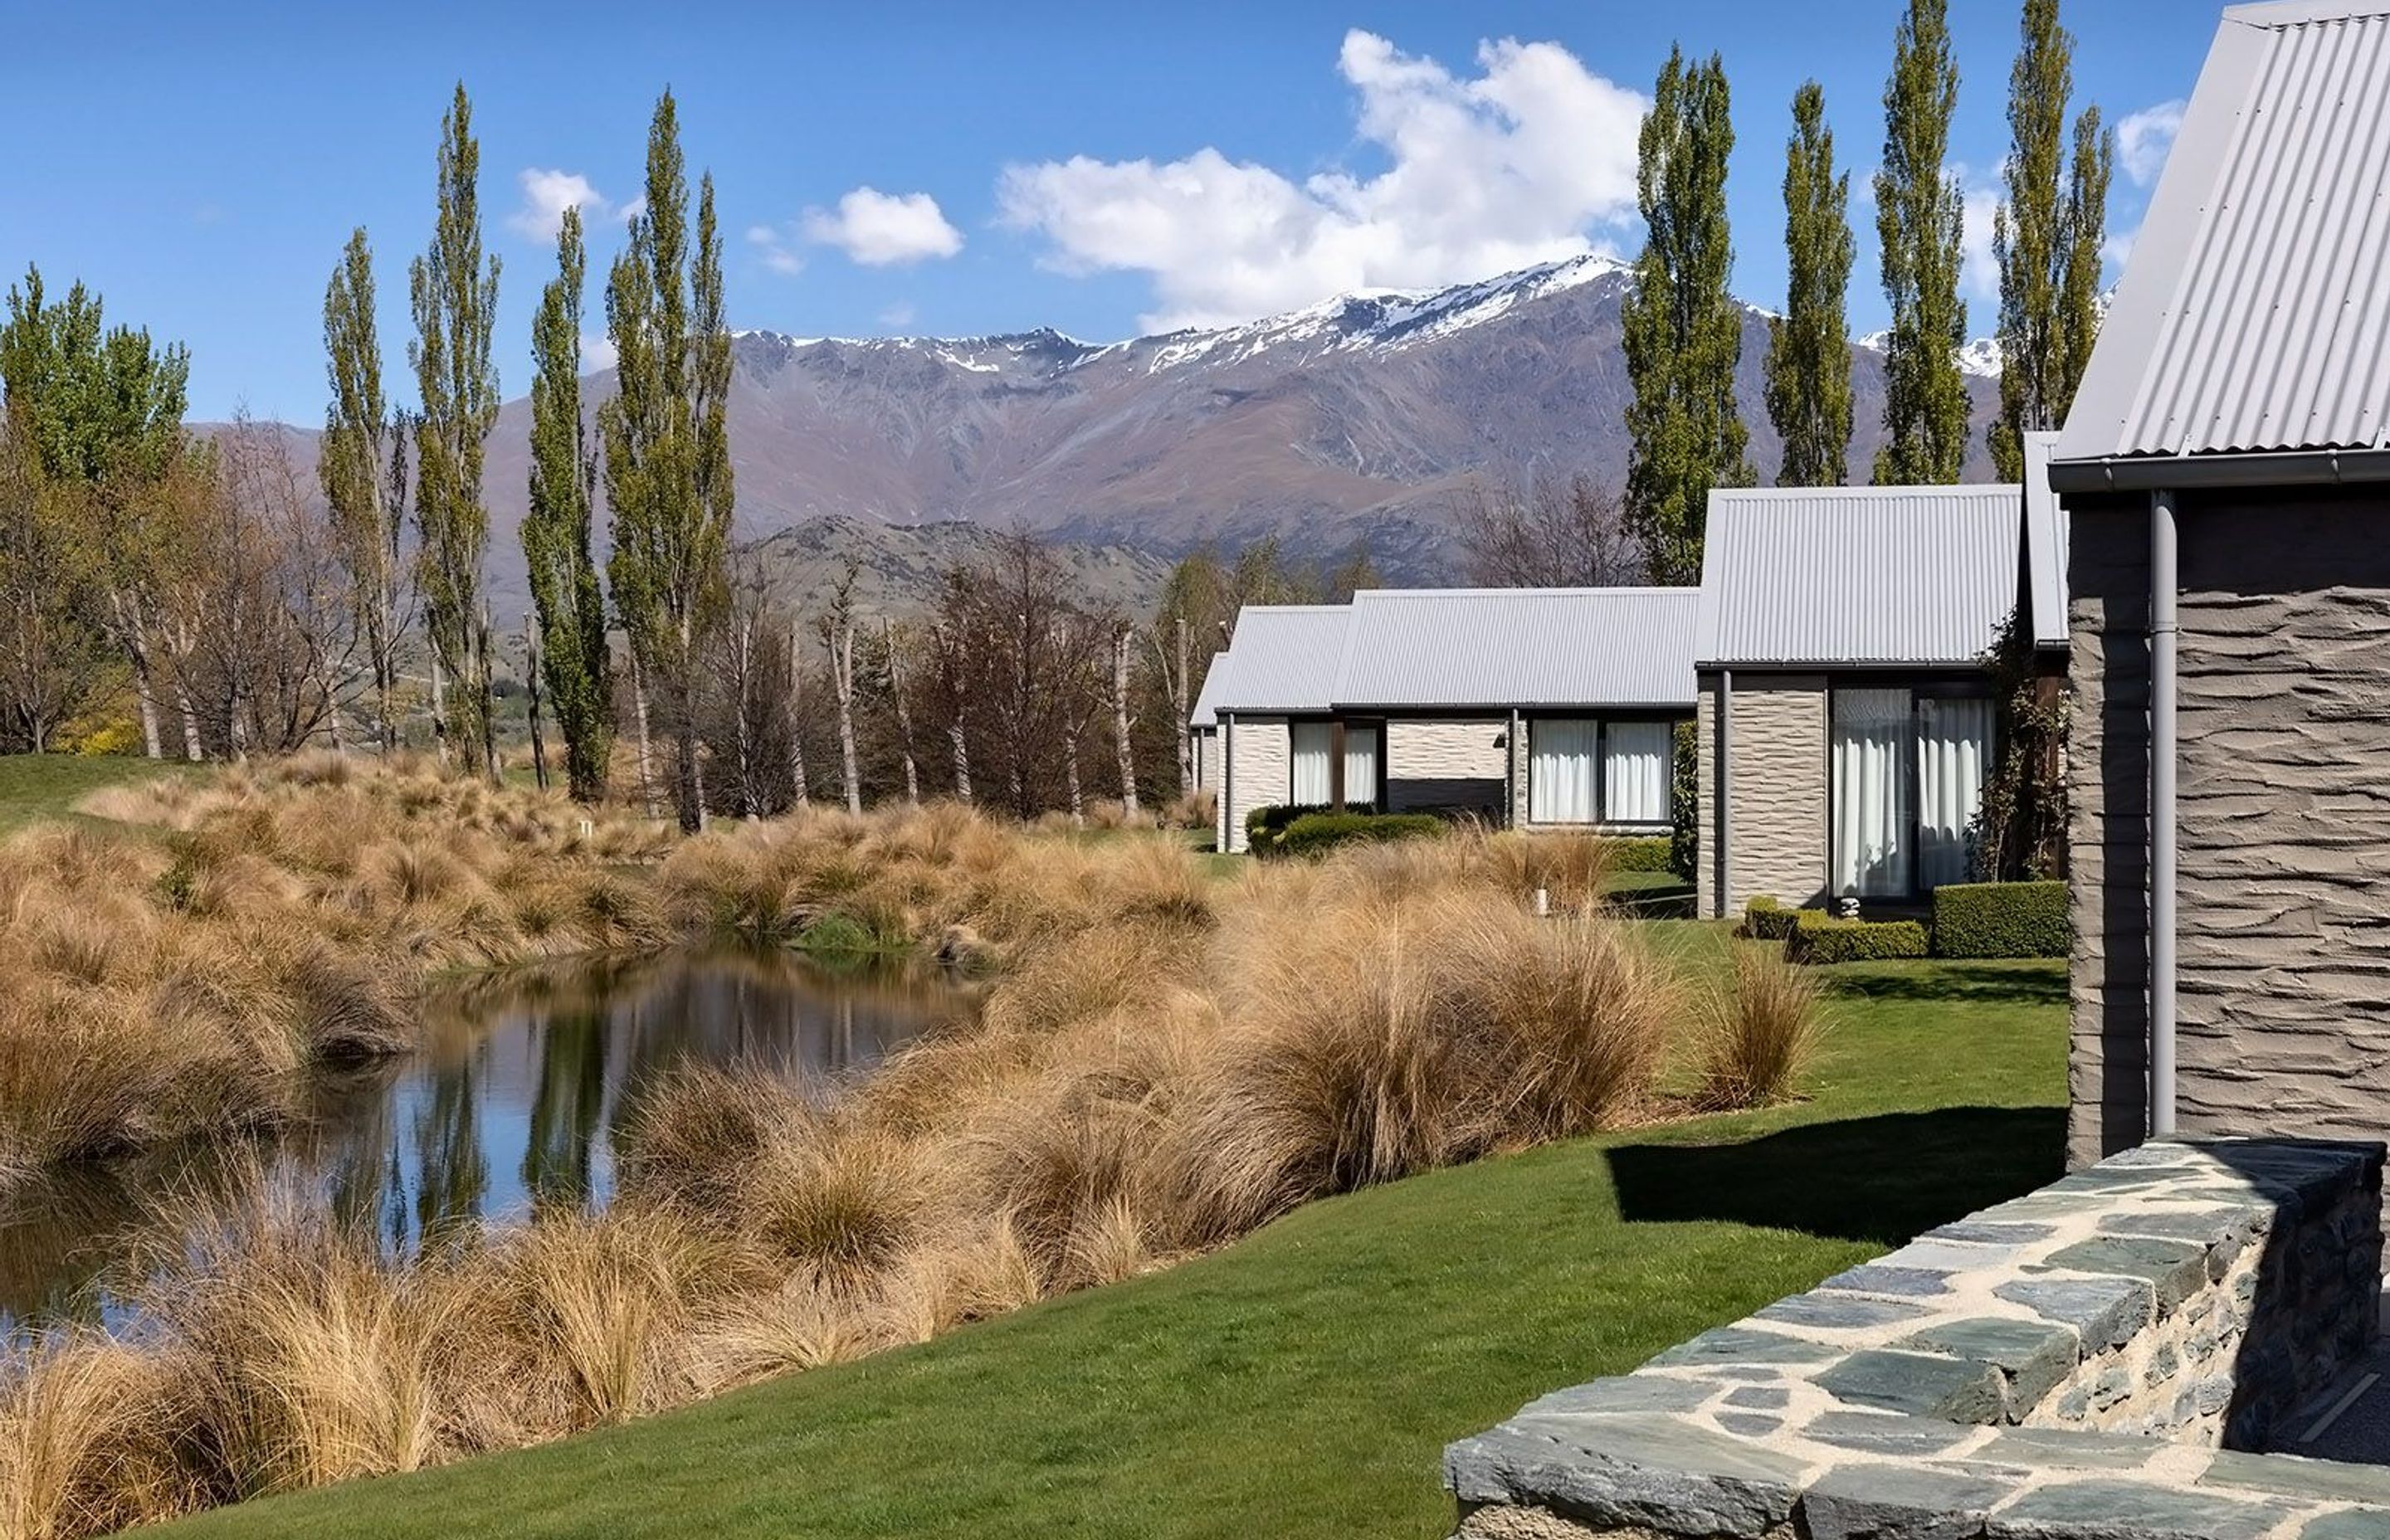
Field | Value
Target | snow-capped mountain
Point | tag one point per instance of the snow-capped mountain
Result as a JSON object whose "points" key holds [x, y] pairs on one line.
{"points": [[1980, 358], [1365, 417]]}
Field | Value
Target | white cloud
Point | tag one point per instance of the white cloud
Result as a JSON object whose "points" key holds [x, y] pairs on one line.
{"points": [[1521, 164], [547, 194], [881, 229], [597, 352], [1979, 267], [776, 253], [2144, 137]]}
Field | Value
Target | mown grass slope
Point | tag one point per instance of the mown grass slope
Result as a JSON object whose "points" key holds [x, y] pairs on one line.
{"points": [[1302, 1382]]}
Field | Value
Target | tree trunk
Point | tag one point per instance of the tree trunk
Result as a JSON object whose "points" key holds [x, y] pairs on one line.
{"points": [[904, 715], [1120, 721], [962, 760], [485, 684], [531, 682], [439, 710], [193, 749], [742, 660], [841, 662], [1070, 781], [797, 718], [688, 776], [647, 744], [145, 690]]}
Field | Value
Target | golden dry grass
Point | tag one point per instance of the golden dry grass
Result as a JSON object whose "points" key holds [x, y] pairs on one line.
{"points": [[1165, 1062], [1760, 1032]]}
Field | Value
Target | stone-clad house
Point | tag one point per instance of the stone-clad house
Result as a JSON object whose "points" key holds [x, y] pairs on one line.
{"points": [[1845, 718], [1544, 708], [2227, 470]]}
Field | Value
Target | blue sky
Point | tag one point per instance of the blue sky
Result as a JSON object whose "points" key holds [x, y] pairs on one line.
{"points": [[1105, 171]]}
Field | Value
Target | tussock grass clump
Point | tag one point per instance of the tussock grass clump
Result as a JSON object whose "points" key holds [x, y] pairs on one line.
{"points": [[1760, 1035]]}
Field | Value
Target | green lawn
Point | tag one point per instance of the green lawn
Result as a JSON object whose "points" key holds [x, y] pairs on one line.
{"points": [[1303, 1383], [33, 787]]}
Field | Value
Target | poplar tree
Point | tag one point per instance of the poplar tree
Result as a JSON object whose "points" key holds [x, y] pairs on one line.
{"points": [[2045, 239], [1919, 217], [362, 467], [667, 442], [570, 606], [1809, 345], [456, 297], [1683, 331]]}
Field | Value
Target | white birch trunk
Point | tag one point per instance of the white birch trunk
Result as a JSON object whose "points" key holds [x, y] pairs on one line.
{"points": [[796, 719], [843, 681], [1120, 721], [647, 744], [904, 715]]}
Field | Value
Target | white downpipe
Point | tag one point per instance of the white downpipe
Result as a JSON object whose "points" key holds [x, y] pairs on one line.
{"points": [[1726, 793], [2165, 582]]}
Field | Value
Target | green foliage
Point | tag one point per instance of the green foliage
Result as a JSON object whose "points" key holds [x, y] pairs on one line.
{"points": [[94, 404], [1656, 854], [454, 297], [1315, 833], [2001, 919], [1684, 801], [667, 448], [1819, 937], [2046, 242], [2021, 826], [1919, 211], [361, 462], [1683, 331], [573, 659], [1766, 919], [1263, 825], [841, 935], [1809, 345]]}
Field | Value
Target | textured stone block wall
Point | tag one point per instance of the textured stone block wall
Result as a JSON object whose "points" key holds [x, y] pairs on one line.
{"points": [[1260, 755], [1446, 763], [2060, 1366], [1778, 798], [2283, 708]]}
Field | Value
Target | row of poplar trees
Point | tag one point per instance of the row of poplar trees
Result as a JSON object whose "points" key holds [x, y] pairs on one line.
{"points": [[662, 454], [1684, 330]]}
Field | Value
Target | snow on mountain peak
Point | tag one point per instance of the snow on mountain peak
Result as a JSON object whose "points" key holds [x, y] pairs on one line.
{"points": [[1980, 357]]}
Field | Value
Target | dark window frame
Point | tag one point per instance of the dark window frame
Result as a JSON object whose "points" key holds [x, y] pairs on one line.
{"points": [[1919, 687]]}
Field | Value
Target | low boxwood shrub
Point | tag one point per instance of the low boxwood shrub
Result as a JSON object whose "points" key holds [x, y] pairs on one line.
{"points": [[1644, 854], [1766, 919], [1264, 825], [2001, 919], [1818, 937], [1316, 832]]}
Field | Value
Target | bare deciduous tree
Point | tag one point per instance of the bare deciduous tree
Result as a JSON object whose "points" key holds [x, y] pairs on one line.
{"points": [[1547, 534]]}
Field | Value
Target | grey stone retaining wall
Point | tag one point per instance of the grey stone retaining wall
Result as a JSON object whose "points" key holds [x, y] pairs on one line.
{"points": [[2093, 1361]]}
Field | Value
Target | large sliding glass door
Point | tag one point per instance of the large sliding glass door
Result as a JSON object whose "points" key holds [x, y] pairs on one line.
{"points": [[1907, 769]]}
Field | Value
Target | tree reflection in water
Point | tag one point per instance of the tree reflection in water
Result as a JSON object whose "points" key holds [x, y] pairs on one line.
{"points": [[508, 1110]]}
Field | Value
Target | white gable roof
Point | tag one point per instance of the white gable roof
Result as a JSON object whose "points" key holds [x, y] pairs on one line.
{"points": [[1502, 648]]}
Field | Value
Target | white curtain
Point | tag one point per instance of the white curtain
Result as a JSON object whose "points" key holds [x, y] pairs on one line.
{"points": [[1953, 743], [1636, 759], [1361, 764], [1561, 771], [1870, 789], [1307, 768]]}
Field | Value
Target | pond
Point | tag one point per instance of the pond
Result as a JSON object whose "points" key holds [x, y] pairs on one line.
{"points": [[508, 1109]]}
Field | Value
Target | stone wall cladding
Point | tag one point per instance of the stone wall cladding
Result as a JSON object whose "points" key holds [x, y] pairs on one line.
{"points": [[2061, 1366], [1778, 796], [1455, 764], [1261, 755], [2283, 895]]}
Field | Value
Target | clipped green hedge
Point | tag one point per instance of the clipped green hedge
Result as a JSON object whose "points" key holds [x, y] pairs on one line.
{"points": [[1818, 937], [1766, 919], [1263, 825], [1641, 853], [1316, 832], [2001, 919]]}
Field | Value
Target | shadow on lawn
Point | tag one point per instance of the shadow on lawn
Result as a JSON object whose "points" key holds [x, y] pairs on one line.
{"points": [[1988, 983], [1880, 1179]]}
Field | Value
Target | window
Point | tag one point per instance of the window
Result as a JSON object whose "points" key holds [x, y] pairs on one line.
{"points": [[1307, 772], [1907, 770], [1311, 749], [1637, 759], [1583, 770]]}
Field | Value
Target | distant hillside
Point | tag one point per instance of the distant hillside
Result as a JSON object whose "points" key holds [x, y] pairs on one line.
{"points": [[1363, 416]]}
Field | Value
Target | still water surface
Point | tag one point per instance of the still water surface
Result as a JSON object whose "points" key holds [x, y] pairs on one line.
{"points": [[508, 1110]]}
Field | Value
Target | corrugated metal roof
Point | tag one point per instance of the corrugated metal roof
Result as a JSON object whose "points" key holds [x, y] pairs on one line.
{"points": [[1215, 680], [1857, 575], [1501, 647], [2045, 544], [1285, 658], [2255, 314]]}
